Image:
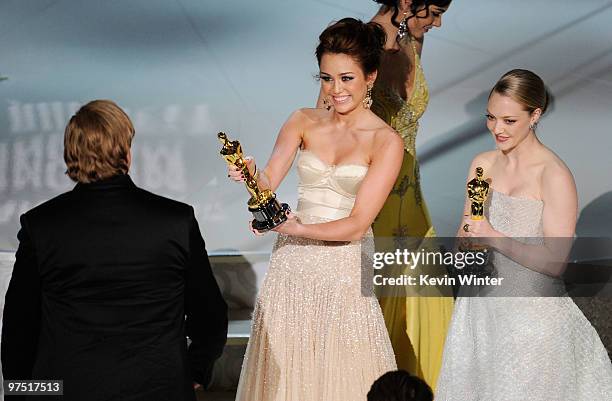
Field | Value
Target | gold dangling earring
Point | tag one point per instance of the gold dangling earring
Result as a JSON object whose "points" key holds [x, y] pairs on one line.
{"points": [[367, 100], [326, 103]]}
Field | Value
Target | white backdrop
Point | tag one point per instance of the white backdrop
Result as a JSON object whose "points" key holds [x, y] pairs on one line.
{"points": [[186, 69]]}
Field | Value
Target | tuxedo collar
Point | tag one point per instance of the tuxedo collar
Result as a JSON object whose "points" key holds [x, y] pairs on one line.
{"points": [[117, 181]]}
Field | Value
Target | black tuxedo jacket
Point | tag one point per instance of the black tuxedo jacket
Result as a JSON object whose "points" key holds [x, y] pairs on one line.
{"points": [[108, 281]]}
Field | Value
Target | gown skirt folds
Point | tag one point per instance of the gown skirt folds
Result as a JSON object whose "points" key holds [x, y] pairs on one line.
{"points": [[318, 334], [505, 347]]}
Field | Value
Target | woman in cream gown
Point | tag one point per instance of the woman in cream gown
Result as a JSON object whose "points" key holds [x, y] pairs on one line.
{"points": [[318, 333], [525, 340]]}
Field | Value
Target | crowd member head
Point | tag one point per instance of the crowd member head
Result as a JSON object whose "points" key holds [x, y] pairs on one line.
{"points": [[415, 16], [399, 385], [516, 103], [349, 54], [97, 142]]}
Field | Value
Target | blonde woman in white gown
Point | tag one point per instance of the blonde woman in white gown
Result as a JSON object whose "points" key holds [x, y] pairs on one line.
{"points": [[318, 334], [516, 345]]}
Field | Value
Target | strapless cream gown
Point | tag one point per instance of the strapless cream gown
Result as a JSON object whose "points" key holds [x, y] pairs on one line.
{"points": [[509, 348], [317, 333]]}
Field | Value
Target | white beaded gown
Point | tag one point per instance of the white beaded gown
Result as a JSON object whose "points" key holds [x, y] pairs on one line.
{"points": [[522, 348], [317, 335]]}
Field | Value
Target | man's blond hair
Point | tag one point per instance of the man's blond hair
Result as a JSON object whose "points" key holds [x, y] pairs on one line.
{"points": [[97, 142]]}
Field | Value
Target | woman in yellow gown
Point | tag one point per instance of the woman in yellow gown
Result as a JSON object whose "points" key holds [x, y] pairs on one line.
{"points": [[417, 325]]}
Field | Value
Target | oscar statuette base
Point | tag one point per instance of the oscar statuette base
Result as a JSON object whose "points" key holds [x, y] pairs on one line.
{"points": [[269, 215]]}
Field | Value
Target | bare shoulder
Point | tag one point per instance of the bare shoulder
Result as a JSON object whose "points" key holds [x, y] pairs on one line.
{"points": [[311, 115], [384, 135], [555, 172], [484, 159], [386, 139]]}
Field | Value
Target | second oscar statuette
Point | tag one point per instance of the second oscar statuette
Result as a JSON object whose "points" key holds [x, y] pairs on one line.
{"points": [[268, 213], [477, 192]]}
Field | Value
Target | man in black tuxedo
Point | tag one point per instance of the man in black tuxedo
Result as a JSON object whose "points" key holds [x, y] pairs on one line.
{"points": [[109, 280]]}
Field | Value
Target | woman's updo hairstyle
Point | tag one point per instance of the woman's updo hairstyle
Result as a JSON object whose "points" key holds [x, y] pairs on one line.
{"points": [[414, 6], [350, 36], [524, 87], [388, 3]]}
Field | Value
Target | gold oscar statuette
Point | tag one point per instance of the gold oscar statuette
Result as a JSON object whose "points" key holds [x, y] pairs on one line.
{"points": [[478, 190], [477, 193], [268, 213]]}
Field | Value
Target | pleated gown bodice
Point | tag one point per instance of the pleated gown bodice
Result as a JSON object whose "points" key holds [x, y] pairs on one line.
{"points": [[327, 191]]}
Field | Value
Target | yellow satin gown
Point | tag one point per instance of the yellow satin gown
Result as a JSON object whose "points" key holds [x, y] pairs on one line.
{"points": [[417, 325]]}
